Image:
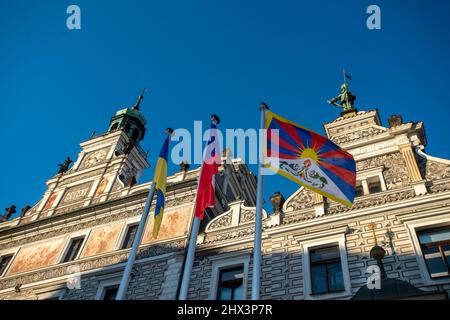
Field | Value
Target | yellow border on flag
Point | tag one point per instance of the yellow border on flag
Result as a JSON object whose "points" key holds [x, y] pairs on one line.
{"points": [[269, 116]]}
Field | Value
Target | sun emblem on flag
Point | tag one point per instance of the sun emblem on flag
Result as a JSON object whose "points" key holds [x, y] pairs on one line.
{"points": [[309, 153]]}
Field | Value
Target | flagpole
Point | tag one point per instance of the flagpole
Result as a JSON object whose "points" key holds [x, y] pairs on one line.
{"points": [[256, 279], [189, 262], [137, 240]]}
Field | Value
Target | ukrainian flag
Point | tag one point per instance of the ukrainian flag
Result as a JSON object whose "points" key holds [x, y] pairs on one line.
{"points": [[160, 181]]}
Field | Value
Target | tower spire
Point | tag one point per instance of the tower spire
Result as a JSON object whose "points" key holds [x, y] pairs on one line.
{"points": [[141, 96]]}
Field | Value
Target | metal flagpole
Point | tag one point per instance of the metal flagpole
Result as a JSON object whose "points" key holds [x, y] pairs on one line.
{"points": [[137, 240], [189, 262], [256, 279]]}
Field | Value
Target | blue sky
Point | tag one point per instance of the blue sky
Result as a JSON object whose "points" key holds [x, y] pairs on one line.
{"points": [[57, 86]]}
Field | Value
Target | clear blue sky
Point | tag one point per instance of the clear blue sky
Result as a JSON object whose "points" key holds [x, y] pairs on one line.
{"points": [[200, 57]]}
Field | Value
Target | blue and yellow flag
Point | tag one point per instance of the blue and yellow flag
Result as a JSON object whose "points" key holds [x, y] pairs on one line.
{"points": [[160, 181]]}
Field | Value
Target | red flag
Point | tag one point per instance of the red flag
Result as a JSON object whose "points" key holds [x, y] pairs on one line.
{"points": [[210, 167]]}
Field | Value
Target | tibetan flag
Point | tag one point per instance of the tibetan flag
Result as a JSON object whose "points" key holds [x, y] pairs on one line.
{"points": [[210, 167], [309, 159], [160, 186]]}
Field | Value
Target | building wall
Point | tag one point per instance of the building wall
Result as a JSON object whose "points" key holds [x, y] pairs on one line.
{"points": [[416, 194]]}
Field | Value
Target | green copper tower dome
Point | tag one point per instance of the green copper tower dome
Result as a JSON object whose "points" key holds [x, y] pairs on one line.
{"points": [[131, 121]]}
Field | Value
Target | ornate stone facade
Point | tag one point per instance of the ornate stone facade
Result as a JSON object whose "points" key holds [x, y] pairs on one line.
{"points": [[396, 210]]}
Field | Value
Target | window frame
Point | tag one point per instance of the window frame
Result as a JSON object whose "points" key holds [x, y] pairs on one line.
{"points": [[127, 228], [104, 285], [325, 263], [82, 234], [364, 175], [309, 245], [106, 288], [123, 231], [378, 184], [359, 186], [413, 229], [12, 252], [48, 295], [228, 261], [238, 267]]}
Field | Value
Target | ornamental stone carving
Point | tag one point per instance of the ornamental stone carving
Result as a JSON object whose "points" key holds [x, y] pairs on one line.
{"points": [[231, 234], [221, 222], [435, 170], [303, 200], [247, 216], [76, 193], [373, 201], [358, 135], [180, 200], [293, 218], [440, 187], [395, 172]]}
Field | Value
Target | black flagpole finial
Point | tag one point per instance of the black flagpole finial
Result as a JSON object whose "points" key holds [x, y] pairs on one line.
{"points": [[215, 119]]}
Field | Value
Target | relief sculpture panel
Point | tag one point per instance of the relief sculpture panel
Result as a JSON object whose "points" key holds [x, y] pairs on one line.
{"points": [[395, 171], [76, 193]]}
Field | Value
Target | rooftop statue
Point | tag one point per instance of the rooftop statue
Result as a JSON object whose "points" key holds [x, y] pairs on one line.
{"points": [[65, 165], [9, 212], [345, 100]]}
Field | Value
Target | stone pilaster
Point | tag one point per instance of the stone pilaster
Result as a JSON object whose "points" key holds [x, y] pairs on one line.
{"points": [[319, 204], [413, 169]]}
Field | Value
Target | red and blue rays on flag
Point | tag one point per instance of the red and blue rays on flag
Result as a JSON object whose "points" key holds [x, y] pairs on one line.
{"points": [[160, 181], [309, 159], [211, 162]]}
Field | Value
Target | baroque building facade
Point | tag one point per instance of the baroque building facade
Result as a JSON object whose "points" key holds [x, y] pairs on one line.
{"points": [[73, 244]]}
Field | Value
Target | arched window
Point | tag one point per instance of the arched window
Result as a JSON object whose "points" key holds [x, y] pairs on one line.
{"points": [[114, 126]]}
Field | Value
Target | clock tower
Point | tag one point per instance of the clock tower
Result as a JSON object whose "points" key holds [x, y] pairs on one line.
{"points": [[107, 165]]}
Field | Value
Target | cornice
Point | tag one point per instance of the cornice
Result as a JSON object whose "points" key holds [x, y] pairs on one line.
{"points": [[296, 221], [94, 215], [86, 264]]}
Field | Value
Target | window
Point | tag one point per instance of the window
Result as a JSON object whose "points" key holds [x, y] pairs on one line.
{"points": [[129, 236], [110, 293], [326, 270], [229, 276], [4, 262], [359, 191], [231, 284], [370, 181], [374, 184], [435, 246], [73, 249]]}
